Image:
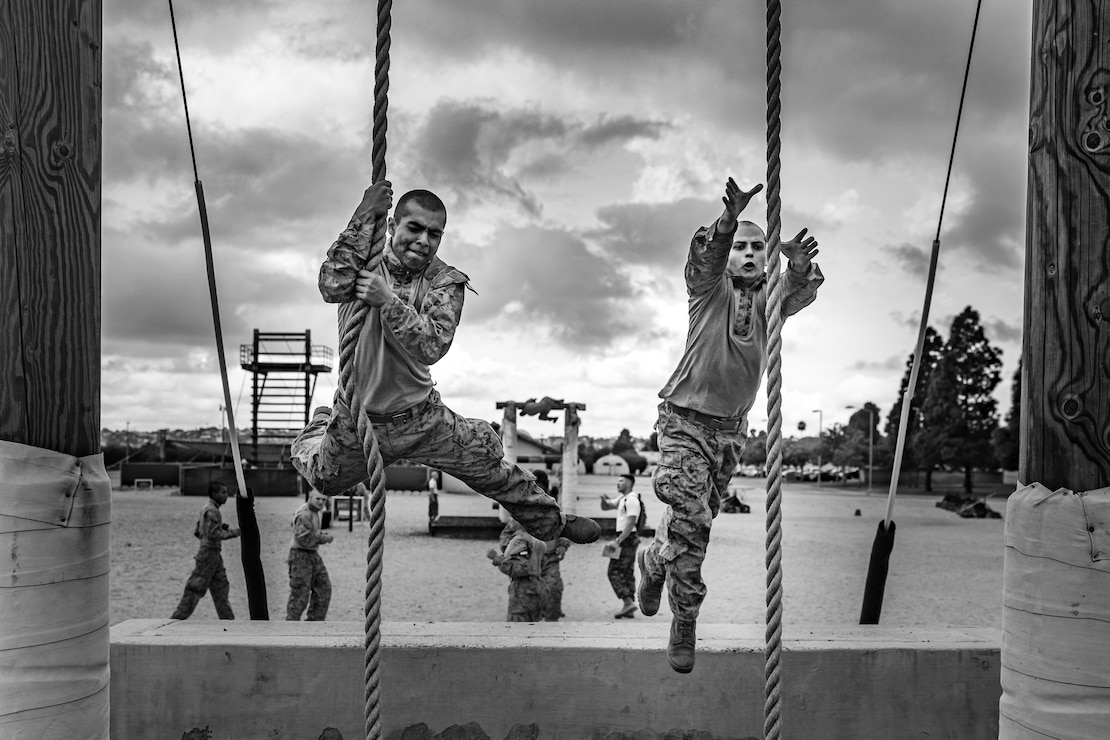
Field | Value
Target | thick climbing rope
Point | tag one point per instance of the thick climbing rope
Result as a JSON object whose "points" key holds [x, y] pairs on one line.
{"points": [[772, 653], [772, 714], [352, 316]]}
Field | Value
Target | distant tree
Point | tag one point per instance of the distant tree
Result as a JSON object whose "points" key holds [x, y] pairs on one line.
{"points": [[1006, 439], [959, 418], [623, 442], [939, 417], [872, 440], [798, 452], [587, 453], [791, 454], [755, 451], [934, 345], [845, 445], [624, 447], [652, 443]]}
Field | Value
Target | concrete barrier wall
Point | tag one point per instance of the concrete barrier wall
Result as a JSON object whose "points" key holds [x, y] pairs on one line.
{"points": [[587, 681]]}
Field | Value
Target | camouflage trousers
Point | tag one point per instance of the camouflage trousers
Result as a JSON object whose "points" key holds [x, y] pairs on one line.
{"points": [[329, 454], [528, 597], [693, 473], [622, 571], [208, 574], [553, 607], [309, 586]]}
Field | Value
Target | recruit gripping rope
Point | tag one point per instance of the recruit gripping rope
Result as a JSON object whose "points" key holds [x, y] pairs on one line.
{"points": [[772, 715], [352, 317]]}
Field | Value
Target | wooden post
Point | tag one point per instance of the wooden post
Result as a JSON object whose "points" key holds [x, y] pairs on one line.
{"points": [[1065, 402], [570, 459], [50, 224], [54, 493], [508, 442], [1056, 568]]}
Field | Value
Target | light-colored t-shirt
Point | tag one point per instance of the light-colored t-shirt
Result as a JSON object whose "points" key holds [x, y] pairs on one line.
{"points": [[628, 509]]}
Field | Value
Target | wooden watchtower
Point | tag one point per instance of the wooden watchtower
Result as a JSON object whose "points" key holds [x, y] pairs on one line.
{"points": [[283, 366]]}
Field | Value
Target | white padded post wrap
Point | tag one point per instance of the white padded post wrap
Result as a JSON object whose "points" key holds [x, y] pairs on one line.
{"points": [[1056, 615], [55, 514]]}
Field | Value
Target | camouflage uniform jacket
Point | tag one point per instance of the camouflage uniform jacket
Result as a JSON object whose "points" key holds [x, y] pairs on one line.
{"points": [[556, 551], [210, 527], [726, 345], [306, 529], [522, 561], [399, 340], [523, 558]]}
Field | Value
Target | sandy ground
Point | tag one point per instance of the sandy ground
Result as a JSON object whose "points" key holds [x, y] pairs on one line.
{"points": [[944, 570]]}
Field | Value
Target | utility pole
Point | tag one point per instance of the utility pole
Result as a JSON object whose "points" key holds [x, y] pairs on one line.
{"points": [[1054, 675], [820, 433], [870, 445], [55, 497]]}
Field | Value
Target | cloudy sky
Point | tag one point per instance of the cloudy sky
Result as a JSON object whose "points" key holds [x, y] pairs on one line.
{"points": [[578, 144]]}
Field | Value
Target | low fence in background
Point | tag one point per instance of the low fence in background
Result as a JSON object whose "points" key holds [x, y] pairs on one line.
{"points": [[193, 479], [160, 474], [263, 481]]}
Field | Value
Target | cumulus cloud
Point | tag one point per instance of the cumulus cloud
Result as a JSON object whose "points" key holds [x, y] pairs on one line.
{"points": [[550, 280], [612, 28], [991, 226], [264, 186], [911, 259], [1004, 331], [900, 66], [476, 151], [893, 363], [651, 233], [209, 25]]}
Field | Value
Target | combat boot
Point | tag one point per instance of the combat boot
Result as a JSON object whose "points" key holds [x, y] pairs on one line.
{"points": [[648, 592], [680, 649], [580, 530]]}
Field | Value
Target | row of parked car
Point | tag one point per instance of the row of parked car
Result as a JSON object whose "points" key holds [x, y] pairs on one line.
{"points": [[827, 472]]}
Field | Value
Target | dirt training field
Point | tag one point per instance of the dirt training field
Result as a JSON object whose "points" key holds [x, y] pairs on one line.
{"points": [[944, 570]]}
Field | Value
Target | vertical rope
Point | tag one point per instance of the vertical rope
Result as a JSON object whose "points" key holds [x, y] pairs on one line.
{"points": [[352, 318], [772, 654]]}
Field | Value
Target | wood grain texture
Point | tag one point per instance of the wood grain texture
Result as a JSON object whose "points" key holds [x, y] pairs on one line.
{"points": [[13, 406], [50, 129], [1066, 374]]}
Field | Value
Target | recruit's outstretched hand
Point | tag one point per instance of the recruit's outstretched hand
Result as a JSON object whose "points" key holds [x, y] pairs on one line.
{"points": [[736, 200], [376, 202], [800, 251]]}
